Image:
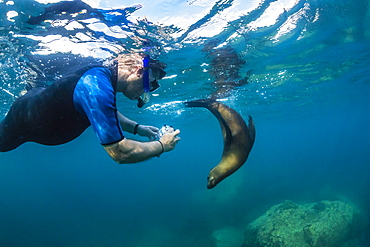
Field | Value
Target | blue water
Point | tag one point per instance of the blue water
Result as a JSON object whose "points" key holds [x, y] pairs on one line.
{"points": [[308, 92]]}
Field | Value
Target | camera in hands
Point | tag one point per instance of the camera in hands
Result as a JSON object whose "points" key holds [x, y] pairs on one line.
{"points": [[162, 131]]}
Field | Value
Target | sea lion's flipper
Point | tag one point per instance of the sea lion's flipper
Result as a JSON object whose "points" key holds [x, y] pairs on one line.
{"points": [[198, 103], [251, 128]]}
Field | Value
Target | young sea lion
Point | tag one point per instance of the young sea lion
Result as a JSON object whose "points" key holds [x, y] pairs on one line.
{"points": [[238, 139]]}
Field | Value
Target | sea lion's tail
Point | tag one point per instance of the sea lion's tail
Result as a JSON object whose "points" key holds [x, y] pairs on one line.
{"points": [[199, 103]]}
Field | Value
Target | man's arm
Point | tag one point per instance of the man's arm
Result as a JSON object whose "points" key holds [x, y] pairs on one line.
{"points": [[130, 151], [128, 125]]}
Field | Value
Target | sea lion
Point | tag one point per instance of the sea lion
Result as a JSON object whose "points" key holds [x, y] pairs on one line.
{"points": [[238, 139]]}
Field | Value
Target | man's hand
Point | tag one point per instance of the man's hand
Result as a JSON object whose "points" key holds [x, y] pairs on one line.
{"points": [[170, 139], [148, 131], [131, 151]]}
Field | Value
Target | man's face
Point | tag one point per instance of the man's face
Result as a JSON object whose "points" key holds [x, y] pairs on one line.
{"points": [[133, 86]]}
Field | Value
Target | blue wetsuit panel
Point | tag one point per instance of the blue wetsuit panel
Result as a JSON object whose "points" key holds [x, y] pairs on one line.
{"points": [[94, 96]]}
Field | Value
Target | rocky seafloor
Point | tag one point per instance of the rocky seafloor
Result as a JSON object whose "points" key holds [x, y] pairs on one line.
{"points": [[321, 224]]}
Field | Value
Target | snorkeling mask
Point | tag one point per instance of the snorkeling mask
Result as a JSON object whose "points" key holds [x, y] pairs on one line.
{"points": [[150, 83]]}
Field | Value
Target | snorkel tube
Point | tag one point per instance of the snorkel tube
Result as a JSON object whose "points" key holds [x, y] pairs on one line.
{"points": [[146, 73], [146, 96]]}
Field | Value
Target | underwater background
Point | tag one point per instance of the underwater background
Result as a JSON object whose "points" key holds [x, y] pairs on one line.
{"points": [[307, 70]]}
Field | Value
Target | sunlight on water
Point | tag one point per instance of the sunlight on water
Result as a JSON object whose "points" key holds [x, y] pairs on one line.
{"points": [[13, 73], [172, 108]]}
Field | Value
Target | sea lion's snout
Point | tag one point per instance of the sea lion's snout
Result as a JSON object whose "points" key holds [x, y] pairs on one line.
{"points": [[211, 182]]}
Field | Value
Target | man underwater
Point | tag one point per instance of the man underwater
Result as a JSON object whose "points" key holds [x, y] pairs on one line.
{"points": [[61, 112]]}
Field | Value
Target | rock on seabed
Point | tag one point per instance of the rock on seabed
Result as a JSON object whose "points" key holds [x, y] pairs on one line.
{"points": [[321, 224]]}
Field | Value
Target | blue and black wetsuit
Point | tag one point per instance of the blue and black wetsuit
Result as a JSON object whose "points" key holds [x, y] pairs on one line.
{"points": [[62, 111]]}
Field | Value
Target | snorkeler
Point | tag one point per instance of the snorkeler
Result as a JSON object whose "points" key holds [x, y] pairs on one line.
{"points": [[61, 112]]}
